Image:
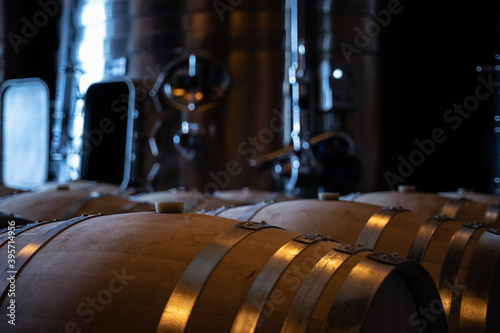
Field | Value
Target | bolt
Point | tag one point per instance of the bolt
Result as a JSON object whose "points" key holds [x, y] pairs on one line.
{"points": [[83, 215], [358, 244], [263, 222], [249, 224], [318, 235], [100, 214], [385, 256], [395, 254]]}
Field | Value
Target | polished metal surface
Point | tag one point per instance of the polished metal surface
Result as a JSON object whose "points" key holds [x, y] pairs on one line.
{"points": [[448, 278], [480, 303], [25, 254], [251, 211], [356, 286], [4, 238], [364, 290], [346, 86], [178, 309], [208, 86], [375, 226], [307, 296], [424, 236], [452, 207], [248, 315], [491, 217]]}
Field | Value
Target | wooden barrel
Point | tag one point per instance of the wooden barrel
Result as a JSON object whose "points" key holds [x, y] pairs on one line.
{"points": [[82, 185], [64, 203], [149, 272], [248, 196], [485, 198], [463, 259], [194, 200], [461, 209]]}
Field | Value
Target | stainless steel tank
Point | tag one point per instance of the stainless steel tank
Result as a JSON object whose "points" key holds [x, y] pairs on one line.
{"points": [[2, 43], [341, 121], [348, 47], [208, 81]]}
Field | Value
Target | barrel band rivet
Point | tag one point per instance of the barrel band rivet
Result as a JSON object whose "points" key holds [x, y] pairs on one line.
{"points": [[390, 259], [350, 248]]}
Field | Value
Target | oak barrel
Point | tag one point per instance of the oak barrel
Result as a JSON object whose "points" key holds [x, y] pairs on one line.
{"points": [[459, 208], [193, 200], [486, 198], [149, 272], [65, 202], [463, 259]]}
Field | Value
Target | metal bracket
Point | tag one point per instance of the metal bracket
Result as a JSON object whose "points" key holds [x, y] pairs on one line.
{"points": [[247, 318], [182, 300], [424, 235], [473, 225], [390, 259], [395, 209], [491, 216], [373, 229], [254, 225], [452, 207], [350, 248], [310, 239]]}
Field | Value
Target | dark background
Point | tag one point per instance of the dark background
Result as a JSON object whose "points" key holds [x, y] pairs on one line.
{"points": [[435, 47]]}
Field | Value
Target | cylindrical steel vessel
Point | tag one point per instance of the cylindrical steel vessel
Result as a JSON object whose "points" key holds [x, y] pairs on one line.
{"points": [[217, 277], [462, 258], [2, 43], [458, 208], [197, 68], [348, 50]]}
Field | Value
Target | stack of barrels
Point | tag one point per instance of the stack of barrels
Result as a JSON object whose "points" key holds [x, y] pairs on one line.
{"points": [[112, 264], [456, 239]]}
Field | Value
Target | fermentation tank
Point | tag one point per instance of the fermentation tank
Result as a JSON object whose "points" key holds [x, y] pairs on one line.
{"points": [[218, 96], [202, 82], [2, 44]]}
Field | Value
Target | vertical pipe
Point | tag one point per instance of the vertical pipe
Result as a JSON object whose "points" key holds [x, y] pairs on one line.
{"points": [[2, 42]]}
